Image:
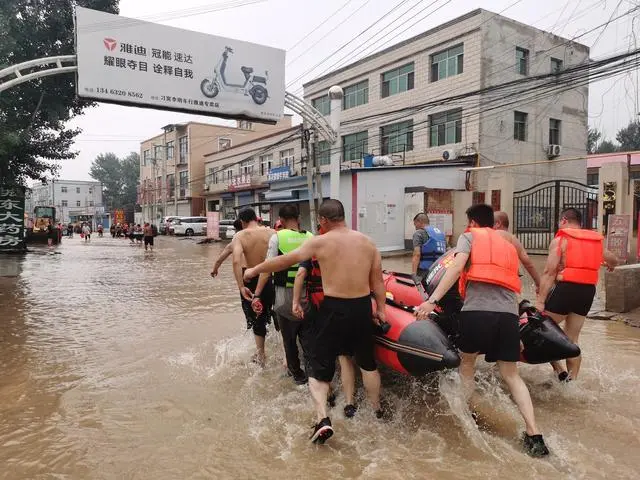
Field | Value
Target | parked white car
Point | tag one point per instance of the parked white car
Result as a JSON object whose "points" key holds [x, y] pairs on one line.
{"points": [[188, 226]]}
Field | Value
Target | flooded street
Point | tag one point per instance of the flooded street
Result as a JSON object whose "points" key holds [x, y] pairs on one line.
{"points": [[123, 364]]}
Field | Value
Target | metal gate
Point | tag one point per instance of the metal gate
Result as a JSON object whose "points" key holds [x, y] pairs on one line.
{"points": [[536, 211]]}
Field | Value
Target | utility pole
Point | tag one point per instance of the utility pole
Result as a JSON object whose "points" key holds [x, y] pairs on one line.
{"points": [[306, 136], [164, 174], [318, 175]]}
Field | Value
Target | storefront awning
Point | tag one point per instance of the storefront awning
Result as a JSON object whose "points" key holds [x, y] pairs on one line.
{"points": [[281, 195]]}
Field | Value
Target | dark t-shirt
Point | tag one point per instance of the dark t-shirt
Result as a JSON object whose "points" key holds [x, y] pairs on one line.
{"points": [[420, 237]]}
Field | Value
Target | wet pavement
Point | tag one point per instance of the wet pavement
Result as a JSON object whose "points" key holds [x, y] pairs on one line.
{"points": [[123, 364]]}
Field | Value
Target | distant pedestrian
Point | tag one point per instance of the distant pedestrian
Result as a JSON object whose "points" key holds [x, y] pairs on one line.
{"points": [[148, 236], [112, 230], [70, 230], [86, 231]]}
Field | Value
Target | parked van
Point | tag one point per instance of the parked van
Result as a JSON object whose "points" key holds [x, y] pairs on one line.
{"points": [[188, 226]]}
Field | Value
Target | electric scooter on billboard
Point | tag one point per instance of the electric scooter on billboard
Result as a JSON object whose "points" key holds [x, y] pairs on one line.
{"points": [[254, 85]]}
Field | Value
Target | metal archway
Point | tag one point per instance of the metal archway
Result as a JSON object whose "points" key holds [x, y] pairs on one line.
{"points": [[44, 67]]}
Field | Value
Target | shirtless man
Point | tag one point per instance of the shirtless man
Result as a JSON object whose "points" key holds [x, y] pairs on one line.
{"points": [[569, 280], [148, 236], [250, 248], [351, 269], [501, 222], [226, 251]]}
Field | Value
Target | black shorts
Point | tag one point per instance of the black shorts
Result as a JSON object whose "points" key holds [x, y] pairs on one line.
{"points": [[567, 297], [258, 322], [496, 334], [342, 326], [147, 240]]}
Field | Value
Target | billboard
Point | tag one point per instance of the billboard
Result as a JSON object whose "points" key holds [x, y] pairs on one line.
{"points": [[213, 225], [12, 218], [132, 62], [618, 235]]}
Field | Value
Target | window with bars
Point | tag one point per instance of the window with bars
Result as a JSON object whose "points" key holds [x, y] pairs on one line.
{"points": [[554, 131], [183, 149], [522, 61], [397, 137], [229, 174], [324, 152], [520, 126], [556, 65], [445, 128], [397, 80], [356, 95], [322, 104], [170, 150], [447, 63], [354, 146], [266, 164], [246, 167], [286, 157]]}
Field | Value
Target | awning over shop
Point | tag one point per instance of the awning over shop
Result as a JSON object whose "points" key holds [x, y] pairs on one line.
{"points": [[281, 195]]}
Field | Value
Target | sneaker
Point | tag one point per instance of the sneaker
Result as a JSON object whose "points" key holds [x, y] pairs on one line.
{"points": [[331, 399], [564, 377], [300, 378], [350, 410], [534, 445], [384, 412], [322, 431]]}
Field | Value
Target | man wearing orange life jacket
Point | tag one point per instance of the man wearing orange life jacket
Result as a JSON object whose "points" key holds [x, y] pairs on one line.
{"points": [[569, 280], [487, 262]]}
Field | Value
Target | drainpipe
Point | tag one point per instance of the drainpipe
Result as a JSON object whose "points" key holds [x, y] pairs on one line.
{"points": [[335, 96]]}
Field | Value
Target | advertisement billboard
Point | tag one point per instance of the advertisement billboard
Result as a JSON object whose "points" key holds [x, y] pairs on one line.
{"points": [[213, 225], [132, 62], [12, 201]]}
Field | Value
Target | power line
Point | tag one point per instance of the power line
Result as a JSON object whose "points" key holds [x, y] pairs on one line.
{"points": [[331, 15]]}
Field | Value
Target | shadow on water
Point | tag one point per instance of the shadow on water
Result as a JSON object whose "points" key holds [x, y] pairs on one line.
{"points": [[120, 363]]}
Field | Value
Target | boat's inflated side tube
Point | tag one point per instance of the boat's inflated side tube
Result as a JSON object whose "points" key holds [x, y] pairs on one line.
{"points": [[413, 347], [403, 288], [543, 340]]}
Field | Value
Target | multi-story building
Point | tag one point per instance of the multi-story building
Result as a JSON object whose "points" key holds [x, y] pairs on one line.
{"points": [[75, 200], [434, 97], [172, 172]]}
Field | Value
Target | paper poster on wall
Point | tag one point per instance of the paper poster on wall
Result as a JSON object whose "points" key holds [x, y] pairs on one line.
{"points": [[443, 221]]}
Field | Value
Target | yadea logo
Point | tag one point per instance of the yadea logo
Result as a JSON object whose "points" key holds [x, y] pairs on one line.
{"points": [[110, 43]]}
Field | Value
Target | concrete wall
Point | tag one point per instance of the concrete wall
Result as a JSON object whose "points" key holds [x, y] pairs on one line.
{"points": [[621, 285], [500, 37], [380, 201]]}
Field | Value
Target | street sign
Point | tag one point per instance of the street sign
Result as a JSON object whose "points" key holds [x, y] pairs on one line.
{"points": [[213, 225], [12, 199], [618, 235], [240, 181], [279, 173], [131, 62]]}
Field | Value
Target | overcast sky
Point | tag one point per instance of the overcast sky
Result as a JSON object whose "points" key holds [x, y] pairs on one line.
{"points": [[283, 23]]}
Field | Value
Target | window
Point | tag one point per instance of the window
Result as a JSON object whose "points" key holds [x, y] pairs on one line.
{"points": [[145, 157], [398, 80], [447, 64], [592, 179], [355, 95], [229, 174], [397, 137], [522, 61], [324, 152], [184, 180], [520, 126], [556, 65], [171, 185], [266, 163], [286, 157], [211, 175], [224, 143], [63, 189], [554, 131], [77, 203], [157, 153], [445, 128], [246, 167], [322, 104], [91, 203], [170, 150], [354, 146], [182, 149], [65, 203], [77, 189]]}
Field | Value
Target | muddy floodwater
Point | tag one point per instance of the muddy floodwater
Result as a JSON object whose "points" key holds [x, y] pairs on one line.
{"points": [[121, 364]]}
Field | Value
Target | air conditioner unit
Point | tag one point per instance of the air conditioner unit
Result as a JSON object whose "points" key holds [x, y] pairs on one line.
{"points": [[553, 151], [449, 155]]}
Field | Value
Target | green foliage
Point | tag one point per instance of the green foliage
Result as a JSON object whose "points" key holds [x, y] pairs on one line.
{"points": [[629, 137], [119, 178], [33, 134]]}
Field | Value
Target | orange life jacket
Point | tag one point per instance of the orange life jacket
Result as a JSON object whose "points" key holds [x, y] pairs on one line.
{"points": [[582, 257], [493, 259]]}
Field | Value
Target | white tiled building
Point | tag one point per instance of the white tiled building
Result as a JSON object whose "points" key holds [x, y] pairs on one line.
{"points": [[399, 101], [75, 200]]}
